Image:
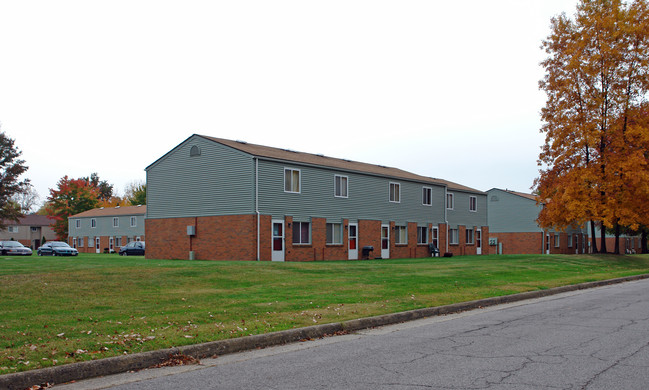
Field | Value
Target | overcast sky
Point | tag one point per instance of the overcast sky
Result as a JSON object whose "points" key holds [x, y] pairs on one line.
{"points": [[447, 89]]}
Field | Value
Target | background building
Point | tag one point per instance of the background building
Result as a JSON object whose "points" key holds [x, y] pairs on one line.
{"points": [[106, 229], [29, 231]]}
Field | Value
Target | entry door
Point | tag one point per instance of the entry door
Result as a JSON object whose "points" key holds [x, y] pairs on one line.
{"points": [[385, 241], [478, 242], [278, 240], [97, 245], [353, 242], [547, 244]]}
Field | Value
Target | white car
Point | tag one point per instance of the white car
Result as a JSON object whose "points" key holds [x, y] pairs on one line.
{"points": [[14, 248]]}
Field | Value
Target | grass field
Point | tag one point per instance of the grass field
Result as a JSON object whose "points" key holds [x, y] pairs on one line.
{"points": [[61, 310]]}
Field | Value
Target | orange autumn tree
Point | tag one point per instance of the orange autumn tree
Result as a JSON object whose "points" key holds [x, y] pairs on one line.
{"points": [[596, 75], [72, 196]]}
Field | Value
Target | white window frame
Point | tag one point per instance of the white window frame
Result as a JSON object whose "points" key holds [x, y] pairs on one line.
{"points": [[397, 192], [453, 236], [80, 242], [422, 232], [341, 190], [133, 221], [427, 196], [401, 235], [115, 222], [12, 229], [450, 201], [77, 223], [569, 240], [334, 234], [473, 204], [289, 180], [300, 242], [557, 242], [470, 236], [93, 223]]}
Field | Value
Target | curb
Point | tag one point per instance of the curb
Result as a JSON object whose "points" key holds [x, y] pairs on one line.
{"points": [[138, 361]]}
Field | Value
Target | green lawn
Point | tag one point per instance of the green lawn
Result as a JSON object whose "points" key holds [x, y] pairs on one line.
{"points": [[60, 310]]}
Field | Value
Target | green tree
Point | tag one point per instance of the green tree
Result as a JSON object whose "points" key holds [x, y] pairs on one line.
{"points": [[104, 189], [11, 168], [135, 193]]}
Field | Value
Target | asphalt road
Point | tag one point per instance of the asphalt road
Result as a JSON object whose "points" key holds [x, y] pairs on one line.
{"points": [[589, 339]]}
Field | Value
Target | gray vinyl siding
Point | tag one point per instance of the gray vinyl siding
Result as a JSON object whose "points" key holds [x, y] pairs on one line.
{"points": [[104, 227], [511, 213], [368, 196], [461, 215], [220, 181]]}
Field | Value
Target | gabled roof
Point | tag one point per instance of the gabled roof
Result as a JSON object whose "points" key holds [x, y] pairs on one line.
{"points": [[31, 220], [521, 194], [330, 162], [112, 212]]}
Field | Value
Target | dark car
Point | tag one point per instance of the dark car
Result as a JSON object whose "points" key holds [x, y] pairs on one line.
{"points": [[56, 248], [14, 248], [133, 248]]}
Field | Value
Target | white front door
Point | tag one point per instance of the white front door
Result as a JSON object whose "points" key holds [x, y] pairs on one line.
{"points": [[278, 240], [353, 242], [97, 245], [547, 244], [478, 242], [385, 241]]}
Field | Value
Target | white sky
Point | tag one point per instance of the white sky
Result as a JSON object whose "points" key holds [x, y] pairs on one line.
{"points": [[447, 89]]}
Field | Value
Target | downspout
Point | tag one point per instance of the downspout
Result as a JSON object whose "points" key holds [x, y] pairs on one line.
{"points": [[257, 203], [446, 214]]}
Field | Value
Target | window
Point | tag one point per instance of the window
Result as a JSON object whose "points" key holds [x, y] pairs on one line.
{"points": [[291, 180], [395, 189], [34, 229], [469, 236], [473, 203], [400, 235], [569, 240], [334, 234], [422, 235], [138, 238], [133, 221], [435, 237], [80, 242], [427, 196], [450, 202], [453, 236], [93, 223], [118, 241], [301, 233], [340, 186], [12, 229], [115, 222], [77, 223], [556, 240]]}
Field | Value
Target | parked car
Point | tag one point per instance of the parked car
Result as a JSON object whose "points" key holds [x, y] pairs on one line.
{"points": [[56, 248], [133, 248], [14, 248]]}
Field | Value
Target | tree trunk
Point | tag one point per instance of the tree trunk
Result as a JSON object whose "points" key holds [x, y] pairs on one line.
{"points": [[593, 239], [602, 231], [617, 239]]}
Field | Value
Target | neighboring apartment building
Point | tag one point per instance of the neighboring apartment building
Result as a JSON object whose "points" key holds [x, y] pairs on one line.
{"points": [[218, 199], [106, 229], [513, 228], [29, 230]]}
